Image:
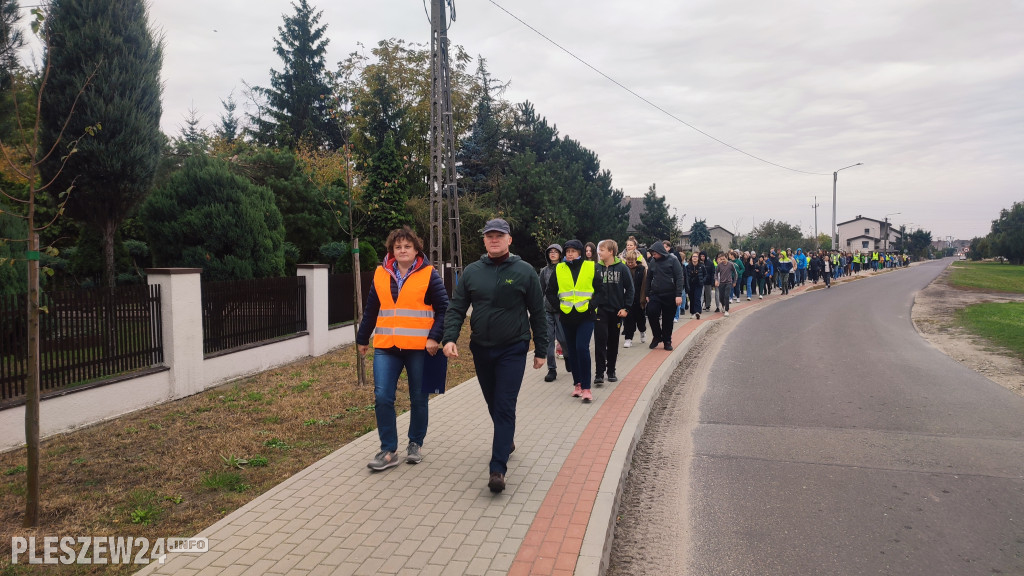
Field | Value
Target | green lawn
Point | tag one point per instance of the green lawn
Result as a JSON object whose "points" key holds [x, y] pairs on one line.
{"points": [[988, 276], [1000, 323]]}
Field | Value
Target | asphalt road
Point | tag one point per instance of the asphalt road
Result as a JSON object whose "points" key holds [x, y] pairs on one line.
{"points": [[822, 435]]}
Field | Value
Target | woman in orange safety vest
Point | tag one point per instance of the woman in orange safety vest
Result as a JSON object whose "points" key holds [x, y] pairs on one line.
{"points": [[405, 312]]}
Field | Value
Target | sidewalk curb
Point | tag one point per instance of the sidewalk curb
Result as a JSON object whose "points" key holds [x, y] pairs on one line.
{"points": [[596, 550]]}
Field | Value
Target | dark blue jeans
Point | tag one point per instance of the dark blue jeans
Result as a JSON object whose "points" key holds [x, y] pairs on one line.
{"points": [[578, 337], [500, 373], [387, 366]]}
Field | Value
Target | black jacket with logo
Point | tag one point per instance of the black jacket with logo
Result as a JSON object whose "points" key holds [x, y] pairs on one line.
{"points": [[501, 295]]}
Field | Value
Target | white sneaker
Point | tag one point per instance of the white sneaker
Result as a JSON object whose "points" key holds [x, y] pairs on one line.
{"points": [[760, 297], [643, 337], [675, 320], [726, 313], [748, 298], [627, 344]]}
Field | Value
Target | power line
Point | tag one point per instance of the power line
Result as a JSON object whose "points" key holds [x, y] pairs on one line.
{"points": [[648, 102]]}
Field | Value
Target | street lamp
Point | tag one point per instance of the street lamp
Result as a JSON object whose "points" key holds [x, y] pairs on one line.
{"points": [[887, 229], [835, 178]]}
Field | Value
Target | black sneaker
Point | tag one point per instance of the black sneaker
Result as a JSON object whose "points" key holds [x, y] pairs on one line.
{"points": [[654, 344], [496, 482], [552, 374], [598, 380], [717, 310], [668, 346], [612, 377], [698, 316]]}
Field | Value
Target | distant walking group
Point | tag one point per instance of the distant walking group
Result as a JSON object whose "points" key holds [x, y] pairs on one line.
{"points": [[584, 292]]}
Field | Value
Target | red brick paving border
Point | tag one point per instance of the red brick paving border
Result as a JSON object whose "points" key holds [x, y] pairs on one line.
{"points": [[552, 544]]}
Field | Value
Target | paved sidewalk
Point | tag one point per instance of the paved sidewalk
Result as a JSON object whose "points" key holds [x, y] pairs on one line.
{"points": [[556, 515]]}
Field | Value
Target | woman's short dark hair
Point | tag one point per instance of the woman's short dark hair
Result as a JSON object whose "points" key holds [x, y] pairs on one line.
{"points": [[403, 233]]}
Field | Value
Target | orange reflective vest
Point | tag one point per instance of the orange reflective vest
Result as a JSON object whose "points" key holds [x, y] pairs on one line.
{"points": [[404, 324]]}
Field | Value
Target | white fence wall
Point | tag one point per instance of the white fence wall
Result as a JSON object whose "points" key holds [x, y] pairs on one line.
{"points": [[188, 371]]}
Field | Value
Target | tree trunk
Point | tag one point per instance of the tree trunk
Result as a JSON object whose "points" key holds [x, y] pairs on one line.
{"points": [[109, 277], [357, 296], [32, 383], [110, 282]]}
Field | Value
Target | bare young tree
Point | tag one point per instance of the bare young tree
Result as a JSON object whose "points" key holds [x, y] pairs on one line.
{"points": [[24, 157]]}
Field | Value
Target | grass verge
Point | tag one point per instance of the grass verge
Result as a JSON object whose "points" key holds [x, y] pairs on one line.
{"points": [[1001, 323], [988, 276], [174, 469]]}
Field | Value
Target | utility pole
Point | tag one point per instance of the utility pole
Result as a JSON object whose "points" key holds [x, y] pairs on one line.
{"points": [[815, 206], [442, 146]]}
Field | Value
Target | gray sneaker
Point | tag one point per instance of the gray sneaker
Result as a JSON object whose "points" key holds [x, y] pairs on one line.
{"points": [[414, 456], [383, 460]]}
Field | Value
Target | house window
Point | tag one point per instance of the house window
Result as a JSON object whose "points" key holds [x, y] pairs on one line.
{"points": [[864, 244], [867, 231]]}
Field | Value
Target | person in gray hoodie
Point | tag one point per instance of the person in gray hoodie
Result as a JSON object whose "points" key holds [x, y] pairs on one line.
{"points": [[725, 279], [665, 293], [547, 273]]}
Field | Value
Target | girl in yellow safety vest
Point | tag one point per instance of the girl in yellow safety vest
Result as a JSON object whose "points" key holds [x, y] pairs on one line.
{"points": [[571, 294]]}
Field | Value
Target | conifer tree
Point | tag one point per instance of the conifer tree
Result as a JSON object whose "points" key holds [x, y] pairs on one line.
{"points": [[11, 39], [699, 233], [655, 222], [113, 171], [480, 156], [208, 217], [228, 129], [385, 194], [296, 104]]}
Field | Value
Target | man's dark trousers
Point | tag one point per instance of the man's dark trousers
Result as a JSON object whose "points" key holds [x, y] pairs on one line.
{"points": [[661, 310], [606, 339], [500, 373]]}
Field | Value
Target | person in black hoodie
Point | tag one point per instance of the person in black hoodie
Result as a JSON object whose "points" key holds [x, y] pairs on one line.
{"points": [[547, 273], [709, 280], [665, 293], [695, 281], [611, 306], [571, 291]]}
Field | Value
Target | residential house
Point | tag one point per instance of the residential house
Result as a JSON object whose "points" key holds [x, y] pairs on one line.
{"points": [[864, 234], [718, 234]]}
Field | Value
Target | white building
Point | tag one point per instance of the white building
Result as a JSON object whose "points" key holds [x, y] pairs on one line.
{"points": [[718, 234], [867, 235]]}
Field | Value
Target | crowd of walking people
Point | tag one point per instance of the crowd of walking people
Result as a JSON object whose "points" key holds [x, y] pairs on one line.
{"points": [[585, 292]]}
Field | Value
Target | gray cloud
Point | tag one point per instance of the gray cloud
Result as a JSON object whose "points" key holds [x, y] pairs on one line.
{"points": [[925, 92]]}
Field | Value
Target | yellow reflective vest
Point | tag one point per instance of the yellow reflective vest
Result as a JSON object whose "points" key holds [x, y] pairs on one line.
{"points": [[575, 296]]}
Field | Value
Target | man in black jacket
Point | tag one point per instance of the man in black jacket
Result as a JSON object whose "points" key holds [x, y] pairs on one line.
{"points": [[502, 288], [665, 293]]}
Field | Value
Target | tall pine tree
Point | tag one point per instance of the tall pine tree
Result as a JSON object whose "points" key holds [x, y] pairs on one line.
{"points": [[480, 156], [296, 106], [11, 40], [111, 171], [655, 222], [228, 128], [385, 194]]}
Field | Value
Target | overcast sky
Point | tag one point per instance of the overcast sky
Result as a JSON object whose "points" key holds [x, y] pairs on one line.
{"points": [[928, 94]]}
